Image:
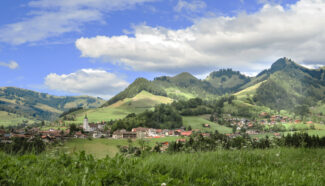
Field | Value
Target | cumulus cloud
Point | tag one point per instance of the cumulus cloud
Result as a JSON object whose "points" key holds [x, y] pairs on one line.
{"points": [[50, 18], [246, 42], [93, 82], [11, 64], [192, 6]]}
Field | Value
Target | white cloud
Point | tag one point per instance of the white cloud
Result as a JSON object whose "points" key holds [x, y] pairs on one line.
{"points": [[246, 42], [312, 66], [93, 82], [12, 64], [193, 6], [51, 18]]}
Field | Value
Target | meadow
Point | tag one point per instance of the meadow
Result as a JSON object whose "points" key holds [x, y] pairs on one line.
{"points": [[9, 119], [278, 166], [196, 123], [102, 147]]}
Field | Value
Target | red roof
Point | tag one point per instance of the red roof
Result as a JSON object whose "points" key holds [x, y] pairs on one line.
{"points": [[186, 133]]}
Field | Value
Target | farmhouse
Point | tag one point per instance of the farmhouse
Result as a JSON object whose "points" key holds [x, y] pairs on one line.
{"points": [[206, 126]]}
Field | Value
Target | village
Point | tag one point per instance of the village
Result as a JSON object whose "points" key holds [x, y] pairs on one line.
{"points": [[98, 130]]}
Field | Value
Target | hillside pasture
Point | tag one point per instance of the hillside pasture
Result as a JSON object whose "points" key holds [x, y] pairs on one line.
{"points": [[9, 119], [141, 102], [196, 123]]}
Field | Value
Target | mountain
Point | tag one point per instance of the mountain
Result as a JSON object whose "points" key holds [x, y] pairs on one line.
{"points": [[270, 87], [287, 84], [33, 105], [185, 86], [227, 80]]}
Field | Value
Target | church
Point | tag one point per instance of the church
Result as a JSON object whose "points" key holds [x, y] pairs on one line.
{"points": [[86, 126]]}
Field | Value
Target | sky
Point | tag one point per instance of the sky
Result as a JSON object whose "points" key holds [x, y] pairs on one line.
{"points": [[98, 47]]}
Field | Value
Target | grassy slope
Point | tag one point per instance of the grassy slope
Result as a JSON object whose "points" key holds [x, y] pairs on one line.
{"points": [[7, 119], [141, 102], [279, 166], [39, 106], [248, 91], [196, 123]]}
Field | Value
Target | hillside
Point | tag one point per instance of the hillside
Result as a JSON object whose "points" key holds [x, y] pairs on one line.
{"points": [[135, 88], [227, 80], [22, 104], [186, 86], [137, 104], [289, 84]]}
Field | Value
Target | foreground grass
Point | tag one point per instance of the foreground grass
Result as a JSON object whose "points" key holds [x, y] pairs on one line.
{"points": [[283, 166]]}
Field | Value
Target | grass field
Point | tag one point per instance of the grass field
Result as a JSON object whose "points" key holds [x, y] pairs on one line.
{"points": [[12, 119], [279, 166], [196, 123], [102, 147]]}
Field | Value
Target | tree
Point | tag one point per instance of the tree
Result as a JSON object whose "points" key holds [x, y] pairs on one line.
{"points": [[302, 111], [73, 128], [211, 118], [234, 128]]}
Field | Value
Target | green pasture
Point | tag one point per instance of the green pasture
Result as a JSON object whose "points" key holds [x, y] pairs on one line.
{"points": [[196, 123]]}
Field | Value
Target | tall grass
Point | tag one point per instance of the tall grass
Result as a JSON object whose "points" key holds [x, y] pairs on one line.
{"points": [[281, 166]]}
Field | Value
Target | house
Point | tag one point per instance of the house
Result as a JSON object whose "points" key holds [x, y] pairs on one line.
{"points": [[141, 132], [206, 125], [118, 134], [186, 133], [99, 135], [80, 135], [129, 135], [152, 132], [178, 132], [263, 114]]}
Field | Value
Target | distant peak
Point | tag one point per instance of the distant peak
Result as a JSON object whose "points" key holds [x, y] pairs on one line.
{"points": [[282, 63], [140, 80], [185, 75]]}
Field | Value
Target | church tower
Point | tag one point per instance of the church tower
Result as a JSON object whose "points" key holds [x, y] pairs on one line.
{"points": [[85, 124]]}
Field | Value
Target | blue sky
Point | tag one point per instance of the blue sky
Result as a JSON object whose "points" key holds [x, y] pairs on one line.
{"points": [[98, 47]]}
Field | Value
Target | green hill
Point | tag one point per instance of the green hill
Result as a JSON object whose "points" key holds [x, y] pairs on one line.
{"points": [[289, 84], [227, 80], [137, 104], [186, 86], [135, 88], [21, 104]]}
